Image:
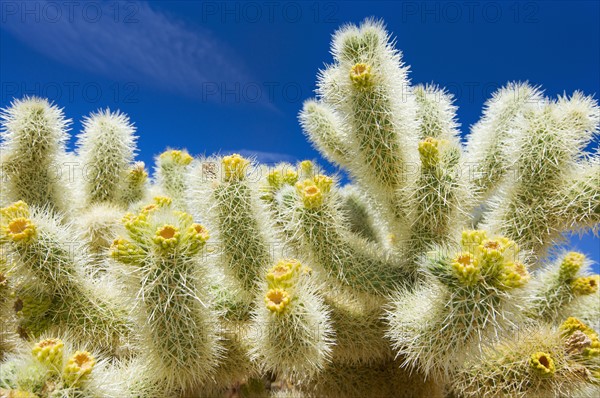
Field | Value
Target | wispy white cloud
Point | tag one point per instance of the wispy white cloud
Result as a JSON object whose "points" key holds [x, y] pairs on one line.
{"points": [[265, 157], [143, 45]]}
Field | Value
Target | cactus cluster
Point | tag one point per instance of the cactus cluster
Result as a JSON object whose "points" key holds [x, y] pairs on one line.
{"points": [[433, 273]]}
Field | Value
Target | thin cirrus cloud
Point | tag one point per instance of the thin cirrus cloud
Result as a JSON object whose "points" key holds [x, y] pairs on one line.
{"points": [[140, 44], [264, 157]]}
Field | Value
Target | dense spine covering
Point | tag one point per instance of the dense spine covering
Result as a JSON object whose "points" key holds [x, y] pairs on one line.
{"points": [[227, 199], [293, 335], [551, 140], [440, 196], [369, 87], [56, 292], [315, 218], [34, 133], [171, 169], [487, 149], [561, 286], [106, 147]]}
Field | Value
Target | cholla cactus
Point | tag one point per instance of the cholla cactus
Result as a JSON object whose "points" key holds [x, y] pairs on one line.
{"points": [[470, 297], [106, 147], [51, 268], [293, 331], [34, 133], [49, 368], [161, 266], [428, 275], [562, 286], [170, 174], [539, 361]]}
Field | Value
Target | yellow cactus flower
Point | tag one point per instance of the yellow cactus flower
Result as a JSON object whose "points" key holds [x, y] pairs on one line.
{"points": [[542, 364], [235, 167], [167, 236], [323, 182], [496, 252], [311, 195], [49, 352], [78, 367], [198, 235], [466, 268], [586, 285], [282, 274], [361, 76], [181, 158], [277, 300], [471, 239], [514, 275], [429, 151], [571, 265], [573, 324], [20, 229]]}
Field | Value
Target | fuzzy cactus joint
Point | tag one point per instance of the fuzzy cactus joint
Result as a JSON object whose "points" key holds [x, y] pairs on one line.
{"points": [[438, 271]]}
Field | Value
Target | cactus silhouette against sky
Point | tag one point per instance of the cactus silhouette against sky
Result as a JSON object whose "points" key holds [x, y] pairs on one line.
{"points": [[437, 271]]}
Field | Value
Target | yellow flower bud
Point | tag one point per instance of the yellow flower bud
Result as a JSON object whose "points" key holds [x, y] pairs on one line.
{"points": [[542, 364], [277, 300], [17, 209], [571, 265], [49, 352], [126, 251], [361, 76], [593, 350], [471, 239], [181, 158], [136, 224], [275, 179], [323, 182], [290, 177], [429, 151], [307, 168], [163, 201], [196, 235], [514, 275], [586, 285], [235, 167], [78, 368], [572, 324]]}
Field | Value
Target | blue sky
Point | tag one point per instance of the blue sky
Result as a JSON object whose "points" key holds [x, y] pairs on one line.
{"points": [[231, 76]]}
